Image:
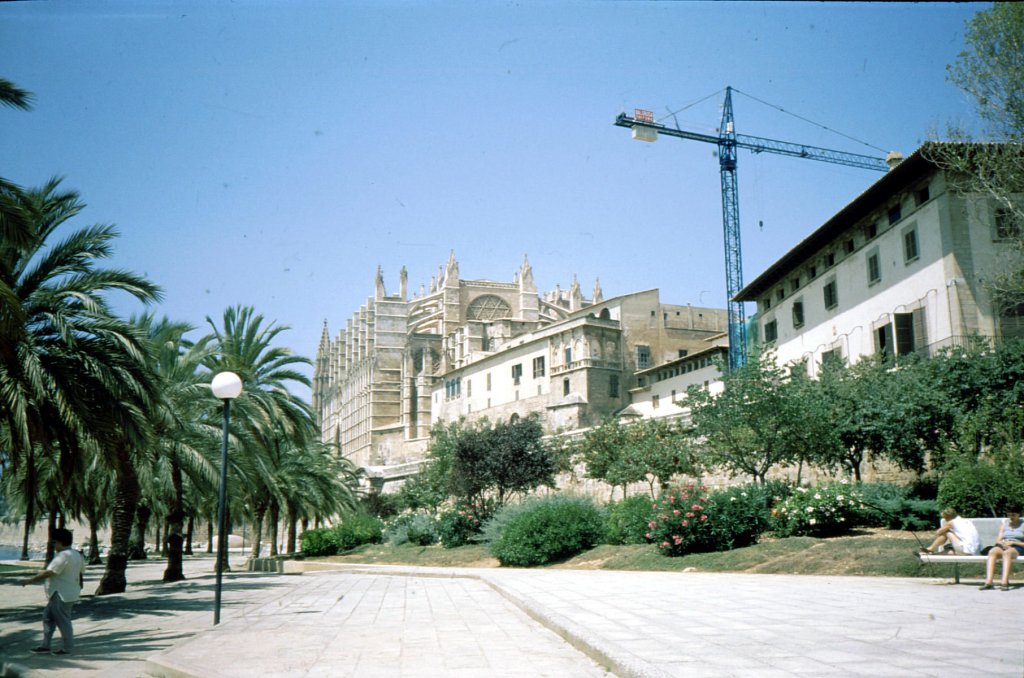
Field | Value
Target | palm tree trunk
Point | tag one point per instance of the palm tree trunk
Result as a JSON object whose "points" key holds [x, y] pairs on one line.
{"points": [[292, 520], [138, 545], [188, 535], [257, 530], [94, 540], [175, 522], [51, 525], [30, 502], [126, 498], [209, 536], [275, 518]]}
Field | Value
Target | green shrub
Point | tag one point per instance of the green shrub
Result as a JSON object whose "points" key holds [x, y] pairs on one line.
{"points": [[977, 489], [826, 510], [679, 524], [356, 530], [737, 516], [463, 524], [384, 506], [418, 528], [546, 530], [626, 521], [894, 507], [319, 542]]}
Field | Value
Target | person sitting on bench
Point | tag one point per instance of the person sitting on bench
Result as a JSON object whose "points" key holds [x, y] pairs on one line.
{"points": [[1009, 545], [958, 532]]}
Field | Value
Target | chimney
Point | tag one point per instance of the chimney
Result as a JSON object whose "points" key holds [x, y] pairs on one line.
{"points": [[893, 158]]}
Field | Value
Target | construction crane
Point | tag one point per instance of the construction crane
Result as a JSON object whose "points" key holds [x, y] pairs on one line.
{"points": [[646, 129]]}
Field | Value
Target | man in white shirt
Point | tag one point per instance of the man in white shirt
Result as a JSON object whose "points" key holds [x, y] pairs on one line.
{"points": [[62, 583], [958, 532]]}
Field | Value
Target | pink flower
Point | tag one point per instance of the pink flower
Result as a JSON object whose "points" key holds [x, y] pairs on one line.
{"points": [[685, 523], [703, 518], [652, 524], [689, 514], [675, 512], [696, 507], [648, 535]]}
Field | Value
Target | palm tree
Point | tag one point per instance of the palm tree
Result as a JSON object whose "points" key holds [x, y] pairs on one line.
{"points": [[13, 96], [267, 410], [71, 372]]}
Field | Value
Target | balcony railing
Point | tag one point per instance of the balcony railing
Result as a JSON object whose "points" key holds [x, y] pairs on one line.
{"points": [[585, 363]]}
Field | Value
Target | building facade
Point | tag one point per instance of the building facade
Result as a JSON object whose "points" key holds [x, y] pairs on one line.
{"points": [[479, 348], [900, 269]]}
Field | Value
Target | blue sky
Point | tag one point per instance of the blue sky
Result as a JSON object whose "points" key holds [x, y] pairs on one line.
{"points": [[274, 154]]}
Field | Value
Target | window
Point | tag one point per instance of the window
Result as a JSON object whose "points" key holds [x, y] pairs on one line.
{"points": [[833, 357], [910, 331], [895, 214], [883, 340], [831, 294], [813, 272], [766, 303], [565, 386], [683, 352], [1007, 224], [798, 313], [921, 196], [538, 367], [830, 259], [655, 401], [568, 356], [871, 230], [673, 395], [910, 252], [517, 373], [643, 357], [771, 330], [780, 294], [849, 246], [874, 269], [794, 284], [613, 386], [469, 388], [488, 382]]}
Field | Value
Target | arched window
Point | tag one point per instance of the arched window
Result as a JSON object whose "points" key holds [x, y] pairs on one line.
{"points": [[605, 314], [488, 307]]}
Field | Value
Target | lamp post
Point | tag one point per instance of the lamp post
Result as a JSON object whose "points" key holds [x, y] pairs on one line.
{"points": [[226, 386]]}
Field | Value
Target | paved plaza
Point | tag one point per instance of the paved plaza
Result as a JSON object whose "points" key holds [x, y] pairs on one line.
{"points": [[405, 621]]}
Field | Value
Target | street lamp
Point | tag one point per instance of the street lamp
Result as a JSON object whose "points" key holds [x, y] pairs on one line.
{"points": [[226, 386]]}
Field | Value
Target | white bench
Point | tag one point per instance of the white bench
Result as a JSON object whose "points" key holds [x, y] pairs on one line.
{"points": [[988, 530]]}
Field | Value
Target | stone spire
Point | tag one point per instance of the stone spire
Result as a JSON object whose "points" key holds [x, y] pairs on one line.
{"points": [[526, 283], [403, 283], [575, 295], [451, 269], [380, 293], [598, 295]]}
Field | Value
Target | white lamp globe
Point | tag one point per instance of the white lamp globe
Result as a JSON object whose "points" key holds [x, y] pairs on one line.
{"points": [[226, 385]]}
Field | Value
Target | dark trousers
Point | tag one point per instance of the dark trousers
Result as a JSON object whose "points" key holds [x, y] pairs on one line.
{"points": [[57, 615]]}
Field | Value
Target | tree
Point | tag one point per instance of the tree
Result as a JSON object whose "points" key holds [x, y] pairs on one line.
{"points": [[651, 451], [72, 374], [991, 72], [759, 421]]}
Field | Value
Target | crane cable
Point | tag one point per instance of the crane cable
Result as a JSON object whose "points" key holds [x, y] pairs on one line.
{"points": [[818, 124], [672, 114]]}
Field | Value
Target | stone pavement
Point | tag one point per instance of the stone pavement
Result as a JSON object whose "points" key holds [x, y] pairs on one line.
{"points": [[404, 621]]}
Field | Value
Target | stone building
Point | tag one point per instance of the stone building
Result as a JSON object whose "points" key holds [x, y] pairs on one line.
{"points": [[478, 348], [900, 269]]}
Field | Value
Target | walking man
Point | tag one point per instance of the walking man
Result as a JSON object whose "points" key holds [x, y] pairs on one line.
{"points": [[62, 583]]}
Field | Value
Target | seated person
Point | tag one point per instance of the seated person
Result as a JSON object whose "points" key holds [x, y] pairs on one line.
{"points": [[958, 532], [1009, 545]]}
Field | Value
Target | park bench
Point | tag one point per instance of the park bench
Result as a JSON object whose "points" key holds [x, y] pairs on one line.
{"points": [[988, 529]]}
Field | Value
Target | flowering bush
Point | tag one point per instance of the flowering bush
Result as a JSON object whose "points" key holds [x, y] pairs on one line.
{"points": [[463, 523], [680, 524], [738, 515], [825, 510]]}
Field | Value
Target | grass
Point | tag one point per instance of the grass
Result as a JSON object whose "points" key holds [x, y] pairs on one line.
{"points": [[881, 553]]}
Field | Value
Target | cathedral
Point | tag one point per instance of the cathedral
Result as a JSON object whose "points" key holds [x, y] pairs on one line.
{"points": [[478, 348]]}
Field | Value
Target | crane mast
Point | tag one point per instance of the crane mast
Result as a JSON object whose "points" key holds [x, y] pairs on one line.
{"points": [[646, 129]]}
